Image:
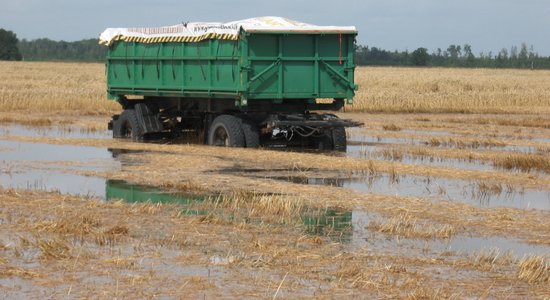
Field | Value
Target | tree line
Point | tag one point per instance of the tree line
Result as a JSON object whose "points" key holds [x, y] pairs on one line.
{"points": [[522, 57], [454, 56], [46, 49]]}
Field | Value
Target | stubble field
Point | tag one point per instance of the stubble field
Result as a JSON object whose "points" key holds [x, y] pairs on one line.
{"points": [[443, 193]]}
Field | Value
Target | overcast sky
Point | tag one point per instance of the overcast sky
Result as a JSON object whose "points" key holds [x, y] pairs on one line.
{"points": [[487, 25]]}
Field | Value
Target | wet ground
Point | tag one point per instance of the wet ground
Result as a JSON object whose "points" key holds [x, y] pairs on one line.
{"points": [[65, 168]]}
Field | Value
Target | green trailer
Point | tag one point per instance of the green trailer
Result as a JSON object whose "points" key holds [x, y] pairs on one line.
{"points": [[234, 84]]}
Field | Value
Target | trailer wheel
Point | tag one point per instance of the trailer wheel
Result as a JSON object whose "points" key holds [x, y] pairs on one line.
{"points": [[127, 126], [339, 139], [226, 131], [251, 134], [324, 141]]}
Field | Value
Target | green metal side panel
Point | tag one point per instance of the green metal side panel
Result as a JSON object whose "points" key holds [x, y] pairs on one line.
{"points": [[258, 66], [208, 68], [301, 66]]}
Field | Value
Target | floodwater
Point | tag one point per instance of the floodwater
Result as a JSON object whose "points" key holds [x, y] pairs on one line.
{"points": [[433, 188], [453, 190], [54, 167], [371, 152], [58, 168], [361, 236], [350, 227], [370, 140], [54, 131]]}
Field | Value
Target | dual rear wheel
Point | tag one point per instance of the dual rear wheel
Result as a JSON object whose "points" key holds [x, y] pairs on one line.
{"points": [[231, 131], [127, 126]]}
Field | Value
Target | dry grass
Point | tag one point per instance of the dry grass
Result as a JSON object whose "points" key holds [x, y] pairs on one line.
{"points": [[485, 190], [462, 143], [391, 127], [75, 225], [117, 237], [524, 162], [216, 259], [512, 120], [80, 88], [493, 259], [438, 90], [409, 227], [179, 163], [250, 205], [54, 249], [17, 272], [56, 88], [506, 160], [534, 269]]}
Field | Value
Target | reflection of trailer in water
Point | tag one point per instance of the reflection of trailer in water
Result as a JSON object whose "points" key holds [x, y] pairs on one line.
{"points": [[318, 222], [243, 84]]}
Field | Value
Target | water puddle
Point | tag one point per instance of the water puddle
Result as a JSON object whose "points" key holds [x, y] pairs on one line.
{"points": [[361, 236], [379, 140], [23, 151], [541, 140], [54, 167], [450, 143], [476, 193], [372, 152], [350, 227], [135, 193], [54, 131], [466, 244], [330, 222], [428, 132], [63, 183]]}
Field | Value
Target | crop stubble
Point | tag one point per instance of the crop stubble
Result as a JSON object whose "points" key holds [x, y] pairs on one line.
{"points": [[508, 105]]}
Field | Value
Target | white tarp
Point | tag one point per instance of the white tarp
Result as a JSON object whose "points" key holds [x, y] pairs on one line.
{"points": [[198, 31]]}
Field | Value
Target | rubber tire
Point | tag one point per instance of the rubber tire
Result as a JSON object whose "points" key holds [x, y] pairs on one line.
{"points": [[251, 134], [127, 126], [233, 130], [324, 142], [339, 140]]}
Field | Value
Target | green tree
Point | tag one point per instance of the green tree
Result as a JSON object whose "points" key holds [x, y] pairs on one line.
{"points": [[46, 49], [8, 45], [454, 51], [420, 57], [468, 55]]}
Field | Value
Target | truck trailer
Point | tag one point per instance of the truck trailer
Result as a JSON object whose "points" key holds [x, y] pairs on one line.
{"points": [[256, 82]]}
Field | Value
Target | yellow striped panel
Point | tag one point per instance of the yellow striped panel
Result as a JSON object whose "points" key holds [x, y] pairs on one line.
{"points": [[172, 39]]}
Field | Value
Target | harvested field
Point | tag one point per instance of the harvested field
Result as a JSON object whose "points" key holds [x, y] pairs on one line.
{"points": [[440, 90], [443, 193]]}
